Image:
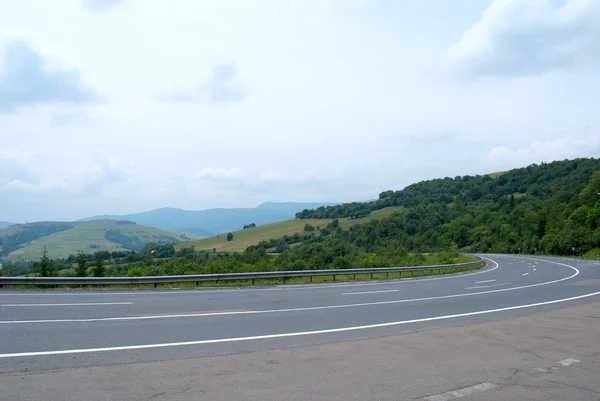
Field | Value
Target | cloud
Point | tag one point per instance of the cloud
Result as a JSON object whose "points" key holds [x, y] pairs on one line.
{"points": [[221, 88], [26, 79], [220, 173], [518, 38], [271, 176], [101, 5], [503, 157], [27, 173]]}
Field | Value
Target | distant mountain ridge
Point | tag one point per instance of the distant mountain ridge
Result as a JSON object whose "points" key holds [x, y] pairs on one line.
{"points": [[4, 224], [214, 221]]}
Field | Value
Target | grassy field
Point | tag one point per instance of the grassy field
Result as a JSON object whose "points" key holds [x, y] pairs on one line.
{"points": [[252, 236], [81, 236], [498, 174]]}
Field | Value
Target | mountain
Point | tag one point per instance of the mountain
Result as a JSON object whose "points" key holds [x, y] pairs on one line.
{"points": [[4, 224], [61, 239], [205, 223]]}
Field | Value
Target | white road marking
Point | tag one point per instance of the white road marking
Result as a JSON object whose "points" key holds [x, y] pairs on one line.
{"points": [[525, 274], [484, 281], [368, 292], [558, 365], [256, 312], [486, 286], [78, 304], [463, 392], [293, 334], [276, 288]]}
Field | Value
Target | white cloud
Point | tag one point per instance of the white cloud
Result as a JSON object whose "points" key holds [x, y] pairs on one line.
{"points": [[29, 173], [517, 38], [28, 77], [504, 157], [220, 173], [221, 88], [271, 175]]}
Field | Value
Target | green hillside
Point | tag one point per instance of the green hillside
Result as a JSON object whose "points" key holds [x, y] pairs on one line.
{"points": [[242, 239], [26, 241]]}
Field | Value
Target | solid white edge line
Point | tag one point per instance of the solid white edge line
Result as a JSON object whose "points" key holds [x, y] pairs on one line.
{"points": [[256, 312], [277, 288], [368, 292], [525, 274], [485, 281], [76, 304], [293, 334]]}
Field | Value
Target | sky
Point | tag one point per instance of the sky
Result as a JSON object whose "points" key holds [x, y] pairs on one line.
{"points": [[121, 106]]}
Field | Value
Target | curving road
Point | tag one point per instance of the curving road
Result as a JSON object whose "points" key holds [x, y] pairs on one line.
{"points": [[50, 330]]}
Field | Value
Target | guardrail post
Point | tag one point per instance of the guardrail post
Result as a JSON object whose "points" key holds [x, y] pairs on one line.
{"points": [[283, 279], [354, 276], [387, 275], [155, 285], [334, 277], [371, 276], [197, 283], [252, 281], [310, 279]]}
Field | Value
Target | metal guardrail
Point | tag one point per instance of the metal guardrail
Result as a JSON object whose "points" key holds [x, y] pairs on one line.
{"points": [[283, 275]]}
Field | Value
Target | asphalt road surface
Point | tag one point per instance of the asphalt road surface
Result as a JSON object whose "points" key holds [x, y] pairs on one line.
{"points": [[49, 330]]}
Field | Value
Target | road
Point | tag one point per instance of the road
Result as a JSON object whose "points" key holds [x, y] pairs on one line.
{"points": [[43, 331]]}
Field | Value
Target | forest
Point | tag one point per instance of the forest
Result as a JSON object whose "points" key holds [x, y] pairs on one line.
{"points": [[550, 208]]}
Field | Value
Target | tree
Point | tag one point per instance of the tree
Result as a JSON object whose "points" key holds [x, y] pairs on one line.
{"points": [[45, 263], [229, 237], [309, 227], [98, 269], [81, 269]]}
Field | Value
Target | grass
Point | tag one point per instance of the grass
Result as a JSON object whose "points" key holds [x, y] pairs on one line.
{"points": [[80, 237], [242, 239], [498, 174], [594, 254]]}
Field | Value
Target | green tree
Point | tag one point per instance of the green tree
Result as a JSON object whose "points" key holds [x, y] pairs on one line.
{"points": [[229, 237], [309, 227], [99, 268], [45, 264], [81, 269]]}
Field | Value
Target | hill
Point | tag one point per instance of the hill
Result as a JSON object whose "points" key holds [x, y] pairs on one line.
{"points": [[209, 222], [4, 224], [242, 239], [551, 207], [26, 241]]}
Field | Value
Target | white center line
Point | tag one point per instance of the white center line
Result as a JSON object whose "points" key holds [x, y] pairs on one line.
{"points": [[485, 286], [525, 274], [484, 281], [368, 292], [461, 392], [79, 304]]}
